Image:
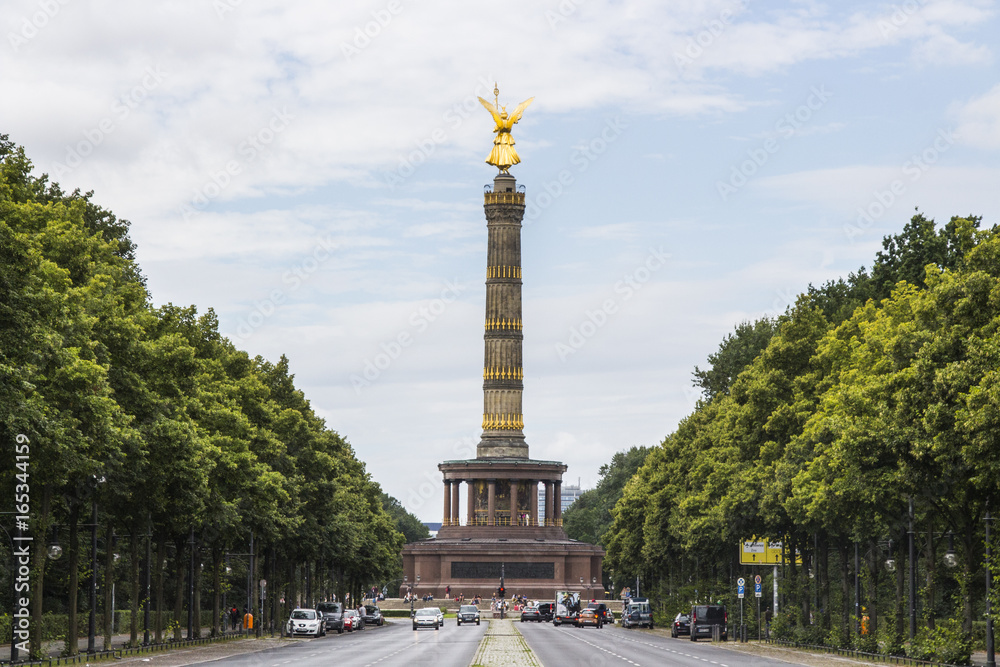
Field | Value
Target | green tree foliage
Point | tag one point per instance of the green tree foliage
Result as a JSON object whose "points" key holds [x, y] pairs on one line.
{"points": [[153, 414], [410, 526], [589, 517], [855, 407], [735, 353]]}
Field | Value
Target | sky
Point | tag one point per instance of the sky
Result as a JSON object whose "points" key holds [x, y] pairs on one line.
{"points": [[313, 172]]}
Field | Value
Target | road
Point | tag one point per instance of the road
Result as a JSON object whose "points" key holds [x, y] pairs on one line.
{"points": [[395, 643], [613, 646]]}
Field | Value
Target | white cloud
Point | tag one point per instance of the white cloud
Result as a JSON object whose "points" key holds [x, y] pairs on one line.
{"points": [[979, 120]]}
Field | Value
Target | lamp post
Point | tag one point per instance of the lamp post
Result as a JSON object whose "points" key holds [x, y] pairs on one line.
{"points": [[92, 621]]}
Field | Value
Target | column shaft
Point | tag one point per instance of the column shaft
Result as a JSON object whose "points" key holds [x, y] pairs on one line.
{"points": [[557, 500], [446, 516], [548, 503], [533, 499], [513, 502], [471, 499], [456, 489], [492, 506]]}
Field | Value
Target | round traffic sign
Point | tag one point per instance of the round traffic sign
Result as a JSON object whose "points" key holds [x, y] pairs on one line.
{"points": [[741, 582], [756, 579]]}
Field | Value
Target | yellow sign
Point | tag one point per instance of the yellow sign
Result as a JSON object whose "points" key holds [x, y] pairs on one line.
{"points": [[763, 552]]}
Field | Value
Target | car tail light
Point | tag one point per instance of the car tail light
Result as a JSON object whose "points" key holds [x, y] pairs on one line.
{"points": [[725, 618]]}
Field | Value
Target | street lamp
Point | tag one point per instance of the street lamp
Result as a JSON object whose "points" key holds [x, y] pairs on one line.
{"points": [[950, 559]]}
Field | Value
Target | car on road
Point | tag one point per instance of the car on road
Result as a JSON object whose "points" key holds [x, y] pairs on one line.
{"points": [[531, 613], [353, 620], [590, 617], [546, 610], [468, 613], [637, 614], [306, 622], [681, 625], [333, 615], [373, 615], [426, 617], [704, 616], [602, 610]]}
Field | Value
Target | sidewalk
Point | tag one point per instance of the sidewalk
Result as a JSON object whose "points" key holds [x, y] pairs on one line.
{"points": [[54, 649]]}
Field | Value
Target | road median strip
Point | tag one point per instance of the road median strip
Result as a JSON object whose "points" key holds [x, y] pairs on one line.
{"points": [[503, 646]]}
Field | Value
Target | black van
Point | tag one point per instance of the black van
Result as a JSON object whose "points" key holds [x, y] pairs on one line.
{"points": [[704, 616]]}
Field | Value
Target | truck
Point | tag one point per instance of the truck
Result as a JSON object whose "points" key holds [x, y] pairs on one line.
{"points": [[567, 607]]}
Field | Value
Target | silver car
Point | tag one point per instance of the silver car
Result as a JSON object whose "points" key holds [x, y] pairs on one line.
{"points": [[427, 618]]}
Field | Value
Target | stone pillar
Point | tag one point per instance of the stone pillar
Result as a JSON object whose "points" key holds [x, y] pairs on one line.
{"points": [[471, 509], [513, 503], [446, 516], [492, 506], [456, 488], [503, 374], [557, 506], [533, 500], [548, 503]]}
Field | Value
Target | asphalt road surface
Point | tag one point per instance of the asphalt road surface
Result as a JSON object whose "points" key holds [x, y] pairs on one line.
{"points": [[613, 646], [395, 643]]}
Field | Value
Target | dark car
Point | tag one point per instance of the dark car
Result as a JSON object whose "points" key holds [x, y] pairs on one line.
{"points": [[468, 613], [704, 616], [373, 615], [530, 613], [603, 612], [333, 615], [546, 611], [681, 625]]}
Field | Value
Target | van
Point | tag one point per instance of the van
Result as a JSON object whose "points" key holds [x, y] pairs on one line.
{"points": [[704, 617]]}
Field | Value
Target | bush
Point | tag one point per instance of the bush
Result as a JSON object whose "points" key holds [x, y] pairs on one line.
{"points": [[810, 634], [945, 643], [782, 628]]}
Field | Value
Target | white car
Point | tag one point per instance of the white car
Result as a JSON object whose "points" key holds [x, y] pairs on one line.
{"points": [[427, 618], [306, 622]]}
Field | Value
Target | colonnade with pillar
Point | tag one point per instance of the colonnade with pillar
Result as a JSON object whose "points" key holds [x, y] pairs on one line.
{"points": [[502, 501]]}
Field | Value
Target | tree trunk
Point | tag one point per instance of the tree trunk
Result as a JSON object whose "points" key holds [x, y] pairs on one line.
{"points": [[845, 588], [179, 566], [824, 584], [873, 572], [931, 567], [161, 556], [900, 588], [198, 569], [217, 557], [72, 639], [109, 582], [39, 578], [133, 626]]}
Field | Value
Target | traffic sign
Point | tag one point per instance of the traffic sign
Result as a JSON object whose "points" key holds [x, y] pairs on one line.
{"points": [[739, 591], [756, 580], [756, 590], [760, 551], [741, 582]]}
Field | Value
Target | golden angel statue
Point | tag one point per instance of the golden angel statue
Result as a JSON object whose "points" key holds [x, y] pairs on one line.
{"points": [[503, 154]]}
